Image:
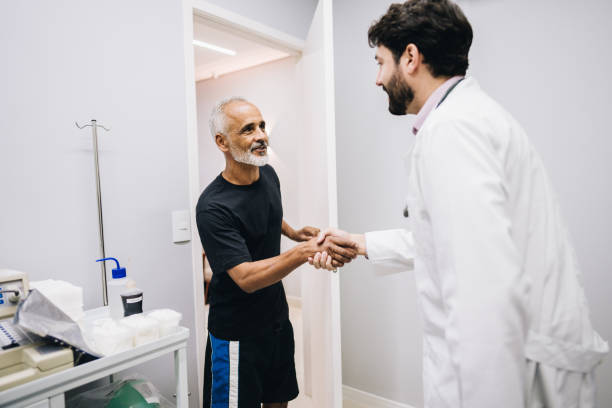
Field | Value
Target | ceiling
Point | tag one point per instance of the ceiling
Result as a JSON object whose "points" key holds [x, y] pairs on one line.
{"points": [[211, 64]]}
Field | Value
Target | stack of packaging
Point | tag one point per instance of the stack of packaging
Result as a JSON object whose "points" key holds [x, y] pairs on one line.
{"points": [[66, 296], [103, 332], [110, 336]]}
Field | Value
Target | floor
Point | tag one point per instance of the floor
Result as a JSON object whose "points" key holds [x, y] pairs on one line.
{"points": [[352, 404]]}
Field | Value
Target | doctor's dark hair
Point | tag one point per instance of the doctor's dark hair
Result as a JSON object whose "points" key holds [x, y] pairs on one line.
{"points": [[438, 28]]}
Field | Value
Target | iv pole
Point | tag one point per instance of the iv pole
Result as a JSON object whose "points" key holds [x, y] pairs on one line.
{"points": [[94, 129]]}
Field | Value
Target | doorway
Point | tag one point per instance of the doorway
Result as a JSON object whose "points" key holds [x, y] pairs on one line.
{"points": [[291, 81], [228, 64]]}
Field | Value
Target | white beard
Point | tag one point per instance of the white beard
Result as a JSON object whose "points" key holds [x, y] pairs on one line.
{"points": [[246, 157]]}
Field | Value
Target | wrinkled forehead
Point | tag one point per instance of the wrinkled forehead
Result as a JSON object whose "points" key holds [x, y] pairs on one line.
{"points": [[239, 113]]}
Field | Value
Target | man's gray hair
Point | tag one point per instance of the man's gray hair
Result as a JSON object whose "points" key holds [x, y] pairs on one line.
{"points": [[217, 121]]}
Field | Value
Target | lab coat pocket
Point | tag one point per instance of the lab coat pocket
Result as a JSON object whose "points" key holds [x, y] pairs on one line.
{"points": [[420, 226]]}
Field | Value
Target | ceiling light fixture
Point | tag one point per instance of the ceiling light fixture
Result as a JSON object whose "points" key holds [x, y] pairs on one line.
{"points": [[214, 47]]}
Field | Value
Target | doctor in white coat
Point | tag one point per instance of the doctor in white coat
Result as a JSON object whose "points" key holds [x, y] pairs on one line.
{"points": [[506, 321]]}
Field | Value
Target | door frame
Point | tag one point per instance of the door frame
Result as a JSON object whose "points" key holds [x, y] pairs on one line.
{"points": [[294, 46], [332, 186], [238, 23]]}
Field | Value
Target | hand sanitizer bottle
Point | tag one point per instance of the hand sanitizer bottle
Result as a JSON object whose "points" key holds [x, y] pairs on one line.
{"points": [[115, 287]]}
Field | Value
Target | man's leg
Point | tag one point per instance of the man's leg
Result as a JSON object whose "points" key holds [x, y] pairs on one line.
{"points": [[207, 374], [280, 382], [232, 385]]}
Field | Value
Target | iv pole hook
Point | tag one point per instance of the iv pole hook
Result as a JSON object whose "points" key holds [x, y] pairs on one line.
{"points": [[91, 125]]}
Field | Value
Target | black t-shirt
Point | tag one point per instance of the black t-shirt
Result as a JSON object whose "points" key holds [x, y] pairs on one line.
{"points": [[241, 224]]}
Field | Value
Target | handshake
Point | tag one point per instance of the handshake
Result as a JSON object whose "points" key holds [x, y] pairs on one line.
{"points": [[333, 248]]}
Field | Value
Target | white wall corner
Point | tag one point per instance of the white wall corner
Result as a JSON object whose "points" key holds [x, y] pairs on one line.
{"points": [[354, 398]]}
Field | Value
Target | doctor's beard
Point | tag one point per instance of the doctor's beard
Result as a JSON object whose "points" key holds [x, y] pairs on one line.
{"points": [[248, 157], [400, 94]]}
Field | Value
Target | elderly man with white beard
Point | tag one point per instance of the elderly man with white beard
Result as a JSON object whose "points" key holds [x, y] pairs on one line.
{"points": [[250, 345]]}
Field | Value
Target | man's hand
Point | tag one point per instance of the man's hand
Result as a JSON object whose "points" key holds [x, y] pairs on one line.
{"points": [[305, 234], [324, 260], [333, 251], [302, 235]]}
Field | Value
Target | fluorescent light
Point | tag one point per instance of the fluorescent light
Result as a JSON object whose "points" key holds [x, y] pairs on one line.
{"points": [[214, 47]]}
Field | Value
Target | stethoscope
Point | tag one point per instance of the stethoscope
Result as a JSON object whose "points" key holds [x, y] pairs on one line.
{"points": [[406, 212]]}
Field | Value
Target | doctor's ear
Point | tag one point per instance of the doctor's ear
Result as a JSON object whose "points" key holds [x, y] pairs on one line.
{"points": [[411, 58], [222, 142]]}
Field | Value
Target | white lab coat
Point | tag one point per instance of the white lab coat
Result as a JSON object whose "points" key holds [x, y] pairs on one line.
{"points": [[506, 322]]}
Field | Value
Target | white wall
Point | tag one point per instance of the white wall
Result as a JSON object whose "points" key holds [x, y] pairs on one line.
{"points": [[548, 63], [123, 64], [271, 87], [381, 328], [289, 16]]}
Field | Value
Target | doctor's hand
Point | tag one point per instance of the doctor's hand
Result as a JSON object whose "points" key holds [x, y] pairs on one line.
{"points": [[305, 234], [333, 252], [323, 260]]}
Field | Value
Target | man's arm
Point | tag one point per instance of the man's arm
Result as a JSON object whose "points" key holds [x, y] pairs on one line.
{"points": [[393, 248], [252, 276], [302, 235]]}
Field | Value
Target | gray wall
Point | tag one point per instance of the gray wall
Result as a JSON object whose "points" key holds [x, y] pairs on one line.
{"points": [[548, 63], [381, 328], [289, 16], [123, 64]]}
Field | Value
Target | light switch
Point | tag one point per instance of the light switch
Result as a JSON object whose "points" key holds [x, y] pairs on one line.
{"points": [[181, 226]]}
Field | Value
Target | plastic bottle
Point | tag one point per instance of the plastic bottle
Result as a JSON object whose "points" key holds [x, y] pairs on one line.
{"points": [[115, 287], [131, 299]]}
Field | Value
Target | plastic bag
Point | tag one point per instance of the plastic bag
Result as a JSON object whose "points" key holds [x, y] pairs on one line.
{"points": [[131, 392], [42, 317]]}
